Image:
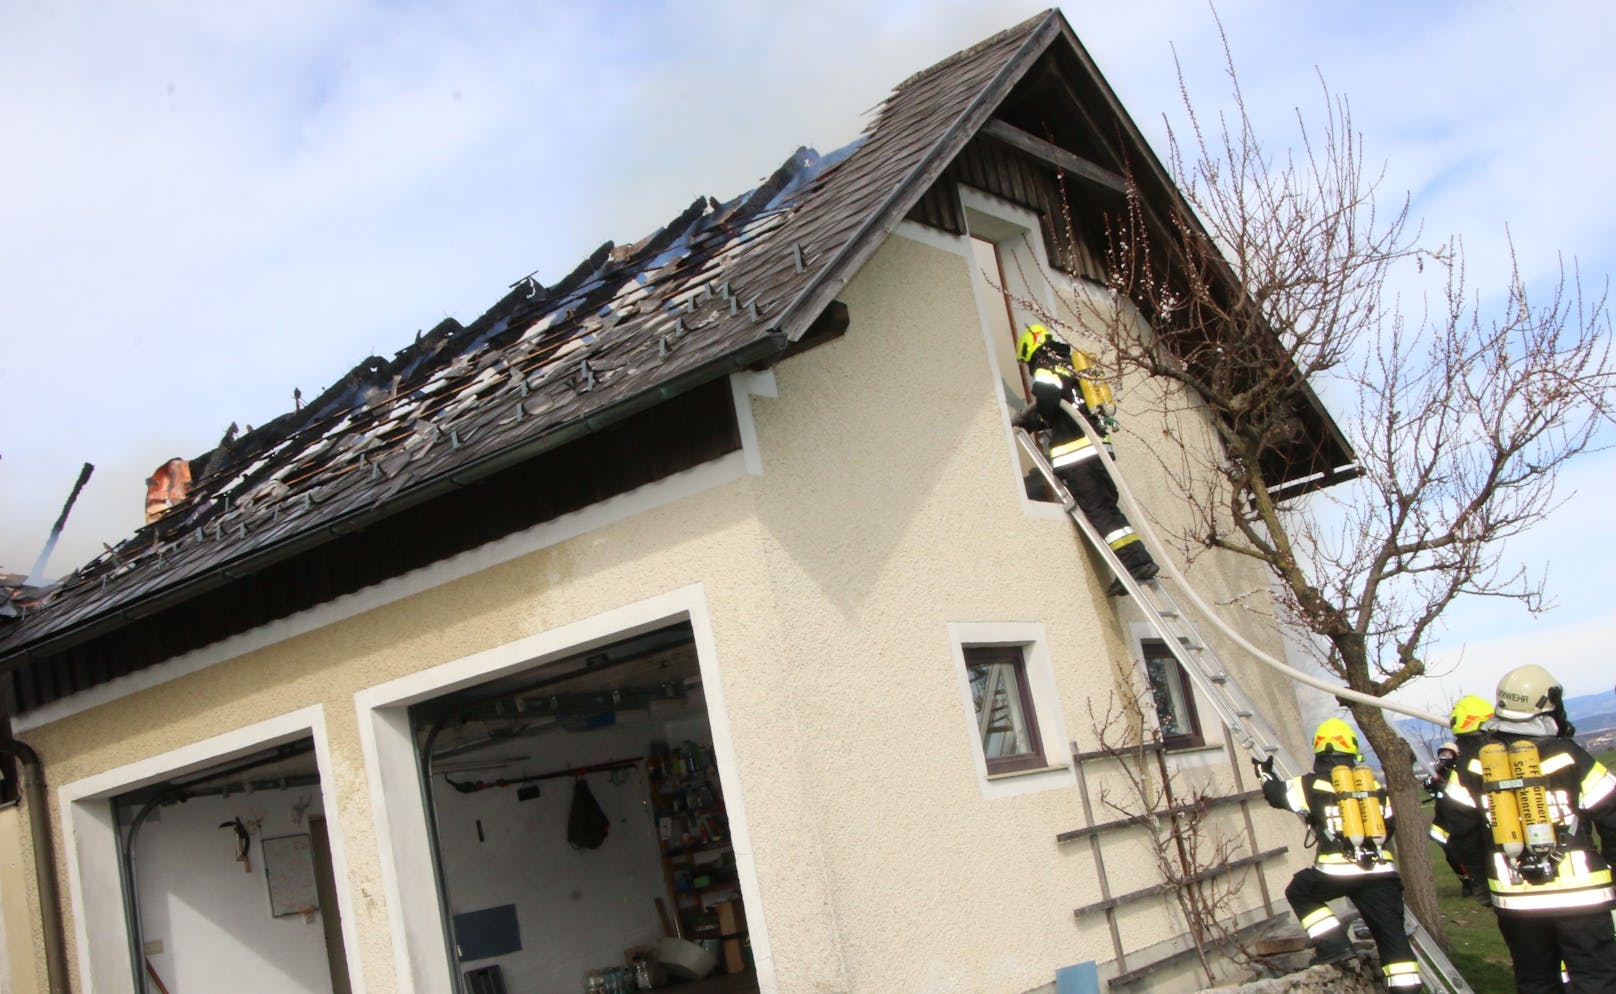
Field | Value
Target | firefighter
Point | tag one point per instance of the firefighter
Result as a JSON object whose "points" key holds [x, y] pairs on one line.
{"points": [[1459, 834], [1446, 756], [1348, 813], [1060, 372], [1538, 795]]}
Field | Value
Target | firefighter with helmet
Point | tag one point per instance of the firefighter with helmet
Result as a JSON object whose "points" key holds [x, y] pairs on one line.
{"points": [[1348, 813], [1459, 834], [1537, 796], [1060, 372]]}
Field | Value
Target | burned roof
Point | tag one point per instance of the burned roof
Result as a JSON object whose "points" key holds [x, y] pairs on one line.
{"points": [[723, 286], [548, 368]]}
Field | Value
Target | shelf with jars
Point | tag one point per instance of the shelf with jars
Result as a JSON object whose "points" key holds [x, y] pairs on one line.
{"points": [[698, 860]]}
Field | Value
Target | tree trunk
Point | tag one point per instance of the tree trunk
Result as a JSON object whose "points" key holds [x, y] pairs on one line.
{"points": [[1403, 788]]}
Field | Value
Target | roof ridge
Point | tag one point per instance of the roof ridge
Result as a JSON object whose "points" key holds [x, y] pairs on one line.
{"points": [[1028, 26]]}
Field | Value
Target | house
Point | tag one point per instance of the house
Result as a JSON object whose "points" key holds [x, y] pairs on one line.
{"points": [[696, 593]]}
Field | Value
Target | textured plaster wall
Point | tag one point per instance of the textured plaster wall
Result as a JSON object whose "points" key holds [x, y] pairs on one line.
{"points": [[18, 940], [888, 508], [711, 539]]}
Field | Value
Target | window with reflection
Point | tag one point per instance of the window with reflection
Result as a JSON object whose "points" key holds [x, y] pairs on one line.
{"points": [[1004, 711]]}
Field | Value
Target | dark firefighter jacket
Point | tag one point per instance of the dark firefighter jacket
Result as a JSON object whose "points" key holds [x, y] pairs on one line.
{"points": [[1313, 796], [1458, 832], [1058, 376], [1581, 794]]}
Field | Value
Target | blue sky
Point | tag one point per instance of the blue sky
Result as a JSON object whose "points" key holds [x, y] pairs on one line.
{"points": [[205, 206]]}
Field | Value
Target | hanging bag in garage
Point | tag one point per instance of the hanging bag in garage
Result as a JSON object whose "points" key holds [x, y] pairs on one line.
{"points": [[587, 824]]}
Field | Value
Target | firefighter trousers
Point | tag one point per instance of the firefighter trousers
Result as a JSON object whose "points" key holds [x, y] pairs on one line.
{"points": [[1584, 942], [1096, 496], [1379, 899]]}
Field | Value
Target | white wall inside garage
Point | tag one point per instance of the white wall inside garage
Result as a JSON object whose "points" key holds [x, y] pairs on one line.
{"points": [[576, 909], [213, 918]]}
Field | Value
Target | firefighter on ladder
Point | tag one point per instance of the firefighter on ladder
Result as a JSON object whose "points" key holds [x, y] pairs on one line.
{"points": [[1060, 372], [1536, 795], [1460, 834], [1347, 812]]}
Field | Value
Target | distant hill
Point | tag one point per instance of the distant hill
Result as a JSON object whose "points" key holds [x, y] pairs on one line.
{"points": [[1593, 714], [1593, 707]]}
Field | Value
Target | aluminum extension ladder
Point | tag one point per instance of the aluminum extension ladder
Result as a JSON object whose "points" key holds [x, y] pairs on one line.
{"points": [[1218, 685]]}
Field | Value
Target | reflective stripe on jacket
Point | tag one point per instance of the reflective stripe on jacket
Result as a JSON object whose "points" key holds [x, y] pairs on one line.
{"points": [[1313, 797], [1581, 792], [1068, 443]]}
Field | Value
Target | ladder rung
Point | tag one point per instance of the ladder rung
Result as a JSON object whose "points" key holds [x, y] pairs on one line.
{"points": [[1218, 678]]}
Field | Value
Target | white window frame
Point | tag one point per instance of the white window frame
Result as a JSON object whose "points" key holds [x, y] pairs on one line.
{"points": [[1041, 689], [1014, 229]]}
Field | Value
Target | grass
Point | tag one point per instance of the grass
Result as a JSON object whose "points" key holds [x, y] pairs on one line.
{"points": [[1474, 943]]}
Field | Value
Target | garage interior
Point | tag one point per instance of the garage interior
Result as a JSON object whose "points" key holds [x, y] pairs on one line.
{"points": [[579, 826], [227, 872]]}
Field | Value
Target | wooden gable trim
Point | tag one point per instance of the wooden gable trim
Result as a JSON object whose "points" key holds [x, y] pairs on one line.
{"points": [[1053, 155]]}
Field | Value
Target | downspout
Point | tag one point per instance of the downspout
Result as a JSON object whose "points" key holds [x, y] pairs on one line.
{"points": [[31, 792]]}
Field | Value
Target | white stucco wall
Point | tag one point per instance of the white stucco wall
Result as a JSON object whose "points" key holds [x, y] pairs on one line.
{"points": [[887, 509]]}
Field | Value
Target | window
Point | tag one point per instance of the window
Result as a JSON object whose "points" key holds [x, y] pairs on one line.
{"points": [[1170, 689], [1005, 717], [1012, 279]]}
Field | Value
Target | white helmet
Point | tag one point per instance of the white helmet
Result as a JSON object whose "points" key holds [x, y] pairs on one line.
{"points": [[1526, 692]]}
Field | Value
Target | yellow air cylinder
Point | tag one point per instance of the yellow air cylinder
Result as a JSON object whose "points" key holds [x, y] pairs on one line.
{"points": [[1509, 833], [1363, 779], [1534, 800], [1352, 822], [1096, 392]]}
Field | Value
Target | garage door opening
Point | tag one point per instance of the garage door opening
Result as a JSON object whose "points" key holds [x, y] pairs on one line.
{"points": [[227, 872], [579, 829]]}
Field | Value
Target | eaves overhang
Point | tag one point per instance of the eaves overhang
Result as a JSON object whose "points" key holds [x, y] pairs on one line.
{"points": [[759, 352]]}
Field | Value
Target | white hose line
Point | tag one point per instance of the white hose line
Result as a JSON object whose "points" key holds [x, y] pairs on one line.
{"points": [[1141, 524]]}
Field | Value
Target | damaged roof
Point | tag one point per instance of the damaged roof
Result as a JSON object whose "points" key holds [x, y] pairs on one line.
{"points": [[724, 286]]}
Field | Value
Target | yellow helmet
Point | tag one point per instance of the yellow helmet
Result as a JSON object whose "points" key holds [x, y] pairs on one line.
{"points": [[1468, 713], [1335, 735], [1030, 341]]}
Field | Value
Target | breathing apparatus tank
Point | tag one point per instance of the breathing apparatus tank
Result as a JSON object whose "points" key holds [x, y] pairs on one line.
{"points": [[1522, 826], [1096, 392], [1374, 818], [1509, 832], [1352, 819], [1523, 761], [1538, 863]]}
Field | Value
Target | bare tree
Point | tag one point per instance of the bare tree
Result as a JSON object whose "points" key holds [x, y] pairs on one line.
{"points": [[1274, 277]]}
